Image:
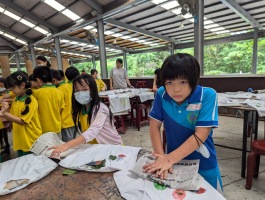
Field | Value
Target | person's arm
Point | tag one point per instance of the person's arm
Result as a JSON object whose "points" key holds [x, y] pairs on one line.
{"points": [[165, 162], [128, 82], [110, 83], [154, 84], [9, 116], [111, 80], [155, 136], [68, 145], [86, 136]]}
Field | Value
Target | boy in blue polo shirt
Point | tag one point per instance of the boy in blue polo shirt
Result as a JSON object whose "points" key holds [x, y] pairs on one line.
{"points": [[189, 113]]}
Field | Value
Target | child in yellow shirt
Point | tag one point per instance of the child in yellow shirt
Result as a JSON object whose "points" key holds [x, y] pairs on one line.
{"points": [[50, 99], [68, 126], [100, 84], [23, 113]]}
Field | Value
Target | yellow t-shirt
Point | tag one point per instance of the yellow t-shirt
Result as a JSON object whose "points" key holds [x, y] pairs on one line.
{"points": [[100, 84], [51, 103], [25, 135], [83, 118], [66, 115]]}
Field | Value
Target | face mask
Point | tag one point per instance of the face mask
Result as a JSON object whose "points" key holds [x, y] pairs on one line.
{"points": [[83, 97]]}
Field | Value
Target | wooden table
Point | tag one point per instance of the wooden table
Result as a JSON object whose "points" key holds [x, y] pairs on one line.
{"points": [[78, 186]]}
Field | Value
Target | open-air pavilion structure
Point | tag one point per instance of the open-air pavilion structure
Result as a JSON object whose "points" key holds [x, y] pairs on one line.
{"points": [[89, 30]]}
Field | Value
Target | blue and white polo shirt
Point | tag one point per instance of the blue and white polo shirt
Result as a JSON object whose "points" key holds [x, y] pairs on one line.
{"points": [[180, 121]]}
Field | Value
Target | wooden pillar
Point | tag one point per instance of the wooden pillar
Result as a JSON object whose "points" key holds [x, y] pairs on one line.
{"points": [[54, 63], [4, 62], [65, 64], [29, 66]]}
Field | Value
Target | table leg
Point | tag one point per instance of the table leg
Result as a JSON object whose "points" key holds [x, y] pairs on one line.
{"points": [[256, 124], [137, 114], [244, 143]]}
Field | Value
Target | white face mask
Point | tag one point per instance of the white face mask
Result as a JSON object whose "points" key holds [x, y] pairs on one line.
{"points": [[83, 97]]}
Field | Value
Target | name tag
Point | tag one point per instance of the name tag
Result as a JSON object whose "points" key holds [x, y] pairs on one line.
{"points": [[193, 107]]}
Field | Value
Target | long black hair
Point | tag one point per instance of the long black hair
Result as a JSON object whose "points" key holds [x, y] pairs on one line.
{"points": [[44, 59], [94, 103], [16, 79]]}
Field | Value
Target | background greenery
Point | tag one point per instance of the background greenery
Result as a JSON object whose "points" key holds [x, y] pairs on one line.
{"points": [[227, 58]]}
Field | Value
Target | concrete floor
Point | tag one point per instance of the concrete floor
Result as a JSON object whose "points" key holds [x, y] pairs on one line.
{"points": [[230, 134]]}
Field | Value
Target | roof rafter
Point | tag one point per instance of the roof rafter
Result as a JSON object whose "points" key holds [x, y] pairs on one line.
{"points": [[96, 6], [140, 30], [8, 43], [241, 12], [87, 42], [24, 12], [19, 35]]}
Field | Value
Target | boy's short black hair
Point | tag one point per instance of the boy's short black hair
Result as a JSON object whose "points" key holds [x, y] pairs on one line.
{"points": [[61, 73], [119, 60], [71, 72], [43, 73], [92, 71], [56, 74], [181, 65]]}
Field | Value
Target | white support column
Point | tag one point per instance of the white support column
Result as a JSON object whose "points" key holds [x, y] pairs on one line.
{"points": [[58, 53], [17, 61], [199, 34], [102, 50], [255, 51]]}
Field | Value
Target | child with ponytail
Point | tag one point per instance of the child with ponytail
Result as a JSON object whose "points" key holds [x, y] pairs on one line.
{"points": [[23, 113]]}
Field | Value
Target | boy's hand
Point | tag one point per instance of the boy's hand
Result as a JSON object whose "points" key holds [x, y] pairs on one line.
{"points": [[161, 166]]}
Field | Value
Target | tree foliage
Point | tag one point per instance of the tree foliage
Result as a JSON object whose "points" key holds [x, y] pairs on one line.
{"points": [[226, 58]]}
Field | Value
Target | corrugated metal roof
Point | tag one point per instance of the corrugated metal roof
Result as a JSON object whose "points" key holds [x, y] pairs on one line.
{"points": [[129, 24]]}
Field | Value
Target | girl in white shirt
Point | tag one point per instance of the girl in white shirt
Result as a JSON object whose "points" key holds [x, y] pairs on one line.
{"points": [[95, 118]]}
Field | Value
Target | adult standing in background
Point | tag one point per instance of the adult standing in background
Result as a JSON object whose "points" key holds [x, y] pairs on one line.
{"points": [[42, 61], [118, 76]]}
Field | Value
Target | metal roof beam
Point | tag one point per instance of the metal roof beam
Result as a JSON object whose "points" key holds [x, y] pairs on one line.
{"points": [[96, 6], [10, 44], [110, 12], [234, 6], [87, 42], [140, 30], [65, 50], [26, 13], [19, 35], [234, 38]]}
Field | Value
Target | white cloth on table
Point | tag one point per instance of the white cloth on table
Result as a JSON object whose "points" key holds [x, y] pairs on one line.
{"points": [[119, 103], [26, 167], [125, 157], [144, 96], [135, 188]]}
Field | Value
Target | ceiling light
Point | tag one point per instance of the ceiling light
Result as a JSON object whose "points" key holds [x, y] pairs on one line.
{"points": [[88, 27], [117, 35], [54, 4], [12, 15], [41, 30], [27, 23], [108, 32], [71, 15]]}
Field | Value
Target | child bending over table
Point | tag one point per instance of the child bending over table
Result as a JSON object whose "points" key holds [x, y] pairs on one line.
{"points": [[189, 113], [95, 118]]}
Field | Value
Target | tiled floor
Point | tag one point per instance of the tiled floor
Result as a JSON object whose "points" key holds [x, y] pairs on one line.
{"points": [[230, 134]]}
